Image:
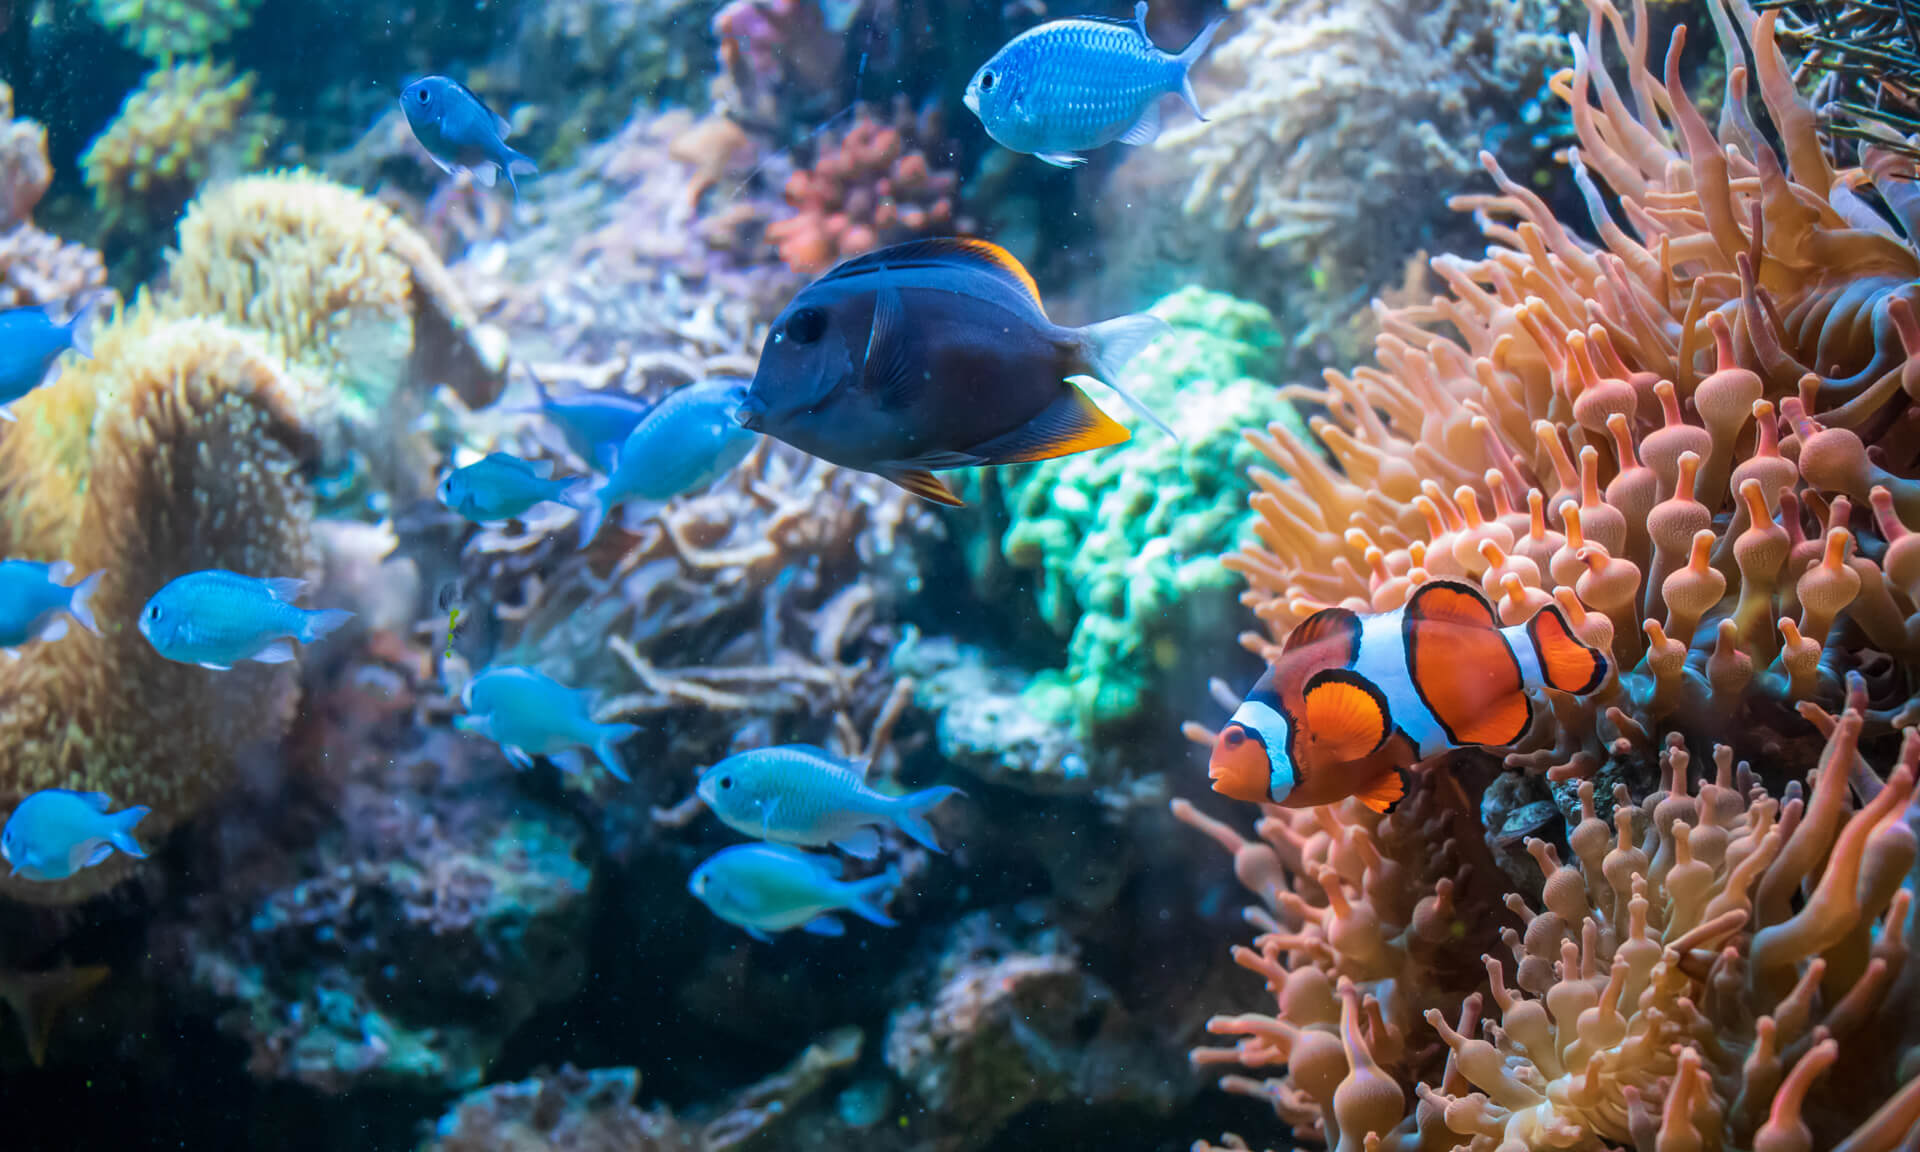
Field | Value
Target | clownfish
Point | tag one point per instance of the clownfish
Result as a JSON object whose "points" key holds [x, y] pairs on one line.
{"points": [[1353, 701]]}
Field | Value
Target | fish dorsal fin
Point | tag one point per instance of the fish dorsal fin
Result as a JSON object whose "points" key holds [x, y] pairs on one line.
{"points": [[1336, 628], [1451, 602], [1346, 716], [959, 251], [1073, 423], [98, 801], [1137, 21], [887, 370], [501, 124]]}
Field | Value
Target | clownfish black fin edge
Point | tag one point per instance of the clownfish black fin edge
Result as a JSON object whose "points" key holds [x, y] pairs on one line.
{"points": [[1385, 794]]}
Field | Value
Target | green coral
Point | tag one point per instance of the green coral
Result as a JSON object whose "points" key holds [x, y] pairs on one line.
{"points": [[181, 127], [1126, 544], [164, 30]]}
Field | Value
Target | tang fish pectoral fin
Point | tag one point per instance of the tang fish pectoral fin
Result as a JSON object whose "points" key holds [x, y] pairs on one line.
{"points": [[1072, 423], [925, 485], [888, 370]]}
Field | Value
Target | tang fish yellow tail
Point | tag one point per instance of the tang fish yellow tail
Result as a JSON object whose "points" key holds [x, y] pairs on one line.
{"points": [[1355, 700]]}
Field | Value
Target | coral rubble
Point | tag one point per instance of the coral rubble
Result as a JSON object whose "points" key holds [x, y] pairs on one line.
{"points": [[877, 183], [183, 126], [180, 446]]}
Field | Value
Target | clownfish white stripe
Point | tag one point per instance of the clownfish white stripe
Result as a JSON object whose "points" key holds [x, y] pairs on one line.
{"points": [[1521, 645], [1382, 658], [1274, 732]]}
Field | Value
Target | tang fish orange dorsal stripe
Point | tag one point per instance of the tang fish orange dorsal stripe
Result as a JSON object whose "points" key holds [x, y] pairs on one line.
{"points": [[1353, 699]]}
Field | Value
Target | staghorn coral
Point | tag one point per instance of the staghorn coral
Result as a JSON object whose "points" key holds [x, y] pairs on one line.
{"points": [[876, 183], [183, 126], [1668, 988], [179, 446], [163, 30], [1633, 430], [35, 267], [342, 287], [1321, 113]]}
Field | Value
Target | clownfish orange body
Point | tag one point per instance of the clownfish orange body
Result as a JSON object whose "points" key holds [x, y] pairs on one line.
{"points": [[1353, 701]]}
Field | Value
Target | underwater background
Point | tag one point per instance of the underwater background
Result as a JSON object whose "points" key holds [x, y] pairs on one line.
{"points": [[1606, 313]]}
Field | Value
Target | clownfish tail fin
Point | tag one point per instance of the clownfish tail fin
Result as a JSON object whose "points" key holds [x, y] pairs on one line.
{"points": [[1567, 664]]}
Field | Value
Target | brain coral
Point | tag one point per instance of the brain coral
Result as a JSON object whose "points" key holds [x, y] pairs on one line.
{"points": [[165, 29], [181, 127], [339, 285], [179, 446]]}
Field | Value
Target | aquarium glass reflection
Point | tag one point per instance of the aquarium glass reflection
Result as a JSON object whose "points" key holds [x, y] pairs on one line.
{"points": [[960, 575]]}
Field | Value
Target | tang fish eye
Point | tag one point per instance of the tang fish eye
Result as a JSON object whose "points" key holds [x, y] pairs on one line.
{"points": [[986, 81], [806, 325]]}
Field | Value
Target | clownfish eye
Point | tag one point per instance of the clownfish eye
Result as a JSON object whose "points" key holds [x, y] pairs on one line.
{"points": [[806, 325], [986, 81], [1234, 736]]}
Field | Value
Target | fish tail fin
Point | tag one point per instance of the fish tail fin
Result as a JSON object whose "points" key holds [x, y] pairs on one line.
{"points": [[866, 897], [1110, 344], [588, 498], [122, 835], [540, 389], [1567, 663], [910, 813], [516, 164], [80, 601], [607, 747], [1189, 56], [86, 317], [314, 625]]}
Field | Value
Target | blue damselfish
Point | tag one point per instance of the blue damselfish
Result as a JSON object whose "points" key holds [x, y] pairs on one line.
{"points": [[31, 340], [54, 833], [218, 618], [594, 424], [35, 601], [529, 713], [770, 888], [799, 794], [461, 133], [1072, 85], [688, 441], [500, 487]]}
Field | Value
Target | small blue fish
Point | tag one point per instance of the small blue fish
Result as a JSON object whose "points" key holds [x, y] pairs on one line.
{"points": [[35, 602], [54, 833], [501, 487], [530, 714], [30, 341], [1068, 86], [218, 618], [688, 441], [771, 888], [799, 794], [461, 133], [594, 424]]}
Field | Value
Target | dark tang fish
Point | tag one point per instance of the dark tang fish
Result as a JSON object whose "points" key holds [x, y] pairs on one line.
{"points": [[937, 354]]}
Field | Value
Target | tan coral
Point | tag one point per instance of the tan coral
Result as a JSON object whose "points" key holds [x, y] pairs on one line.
{"points": [[35, 267], [182, 127], [179, 446], [1632, 431]]}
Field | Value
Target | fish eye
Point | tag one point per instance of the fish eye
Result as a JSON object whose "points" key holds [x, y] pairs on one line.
{"points": [[986, 81], [153, 613], [806, 325], [1235, 736], [421, 95], [726, 782]]}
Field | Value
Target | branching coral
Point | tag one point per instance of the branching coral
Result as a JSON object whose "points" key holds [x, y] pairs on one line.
{"points": [[1321, 113], [1713, 967], [182, 127], [35, 267], [1635, 431], [876, 183], [178, 447], [163, 30], [778, 59]]}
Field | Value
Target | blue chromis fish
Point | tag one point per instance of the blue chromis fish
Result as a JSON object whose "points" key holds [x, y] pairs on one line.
{"points": [[594, 424], [799, 794], [218, 618], [31, 340], [1072, 85], [689, 440], [501, 487], [54, 833], [770, 888], [937, 354], [461, 133], [1353, 701], [529, 713], [36, 601]]}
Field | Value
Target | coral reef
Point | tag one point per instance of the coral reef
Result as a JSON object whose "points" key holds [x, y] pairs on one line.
{"points": [[1321, 115], [876, 183], [179, 446], [1667, 988], [422, 854], [779, 61], [342, 287], [164, 30], [1006, 1023], [1635, 430], [35, 267], [184, 125], [1125, 544], [986, 723]]}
